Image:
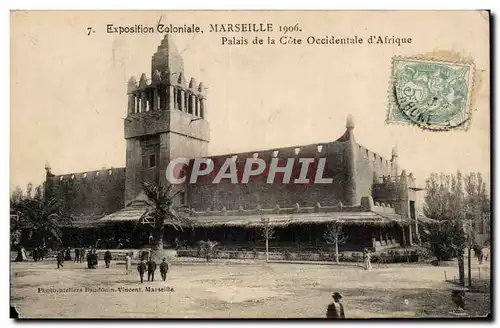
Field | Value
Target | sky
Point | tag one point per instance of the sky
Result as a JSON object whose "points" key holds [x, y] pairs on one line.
{"points": [[68, 88]]}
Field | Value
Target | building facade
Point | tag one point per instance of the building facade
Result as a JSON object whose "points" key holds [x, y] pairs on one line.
{"points": [[167, 118]]}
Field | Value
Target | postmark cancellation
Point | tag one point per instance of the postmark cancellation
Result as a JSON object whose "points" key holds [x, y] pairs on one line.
{"points": [[431, 94]]}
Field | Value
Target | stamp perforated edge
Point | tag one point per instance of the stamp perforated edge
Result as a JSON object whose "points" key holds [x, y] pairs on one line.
{"points": [[392, 102]]}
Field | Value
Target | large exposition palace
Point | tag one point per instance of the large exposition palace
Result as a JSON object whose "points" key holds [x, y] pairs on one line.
{"points": [[370, 196]]}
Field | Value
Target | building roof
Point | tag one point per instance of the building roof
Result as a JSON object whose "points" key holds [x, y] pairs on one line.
{"points": [[279, 218]]}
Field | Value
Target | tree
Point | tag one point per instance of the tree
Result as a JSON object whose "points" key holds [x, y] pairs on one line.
{"points": [[16, 196], [477, 201], [448, 201], [267, 234], [44, 216], [444, 240], [162, 211], [207, 248], [334, 236]]}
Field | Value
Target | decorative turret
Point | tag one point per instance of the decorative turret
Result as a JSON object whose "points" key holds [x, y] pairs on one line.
{"points": [[349, 123], [394, 161], [48, 169], [350, 154]]}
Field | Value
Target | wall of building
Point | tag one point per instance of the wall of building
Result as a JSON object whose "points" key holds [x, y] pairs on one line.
{"points": [[90, 193], [257, 191], [370, 165]]}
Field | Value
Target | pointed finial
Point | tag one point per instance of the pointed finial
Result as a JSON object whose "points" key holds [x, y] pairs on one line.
{"points": [[132, 85], [394, 151], [47, 166], [349, 124], [192, 84], [143, 81]]}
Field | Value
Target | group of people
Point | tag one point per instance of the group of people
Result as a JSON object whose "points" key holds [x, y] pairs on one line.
{"points": [[80, 254], [150, 267], [39, 253]]}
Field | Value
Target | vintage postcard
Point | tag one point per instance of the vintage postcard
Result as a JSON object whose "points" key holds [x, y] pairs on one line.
{"points": [[250, 164]]}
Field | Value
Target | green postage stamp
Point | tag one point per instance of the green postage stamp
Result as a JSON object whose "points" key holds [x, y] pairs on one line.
{"points": [[431, 94]]}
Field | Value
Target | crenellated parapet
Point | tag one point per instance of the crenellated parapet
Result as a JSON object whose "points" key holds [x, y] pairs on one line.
{"points": [[104, 173], [258, 210], [164, 91], [91, 193]]}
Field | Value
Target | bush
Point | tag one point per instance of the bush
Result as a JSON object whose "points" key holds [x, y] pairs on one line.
{"points": [[445, 241]]}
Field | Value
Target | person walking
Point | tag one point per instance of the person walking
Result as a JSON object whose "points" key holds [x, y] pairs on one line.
{"points": [[89, 259], [35, 254], [82, 254], [95, 259], [367, 259], [141, 267], [128, 263], [335, 310], [107, 258], [60, 259], [77, 255], [164, 269], [151, 269]]}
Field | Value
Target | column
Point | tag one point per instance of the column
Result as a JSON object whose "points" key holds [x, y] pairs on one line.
{"points": [[182, 101], [202, 108], [170, 93], [193, 104]]}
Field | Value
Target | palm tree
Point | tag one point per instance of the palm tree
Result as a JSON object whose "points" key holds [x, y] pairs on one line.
{"points": [[43, 216], [162, 211]]}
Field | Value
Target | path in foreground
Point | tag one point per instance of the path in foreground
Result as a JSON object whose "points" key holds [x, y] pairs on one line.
{"points": [[218, 290]]}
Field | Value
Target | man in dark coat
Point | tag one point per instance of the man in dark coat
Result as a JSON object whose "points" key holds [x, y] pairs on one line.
{"points": [[151, 269], [107, 258], [60, 259], [336, 309], [164, 269], [67, 257], [35, 254], [95, 259], [141, 267], [77, 255]]}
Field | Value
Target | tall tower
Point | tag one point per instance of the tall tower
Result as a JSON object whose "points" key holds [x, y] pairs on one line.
{"points": [[166, 119], [351, 192]]}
